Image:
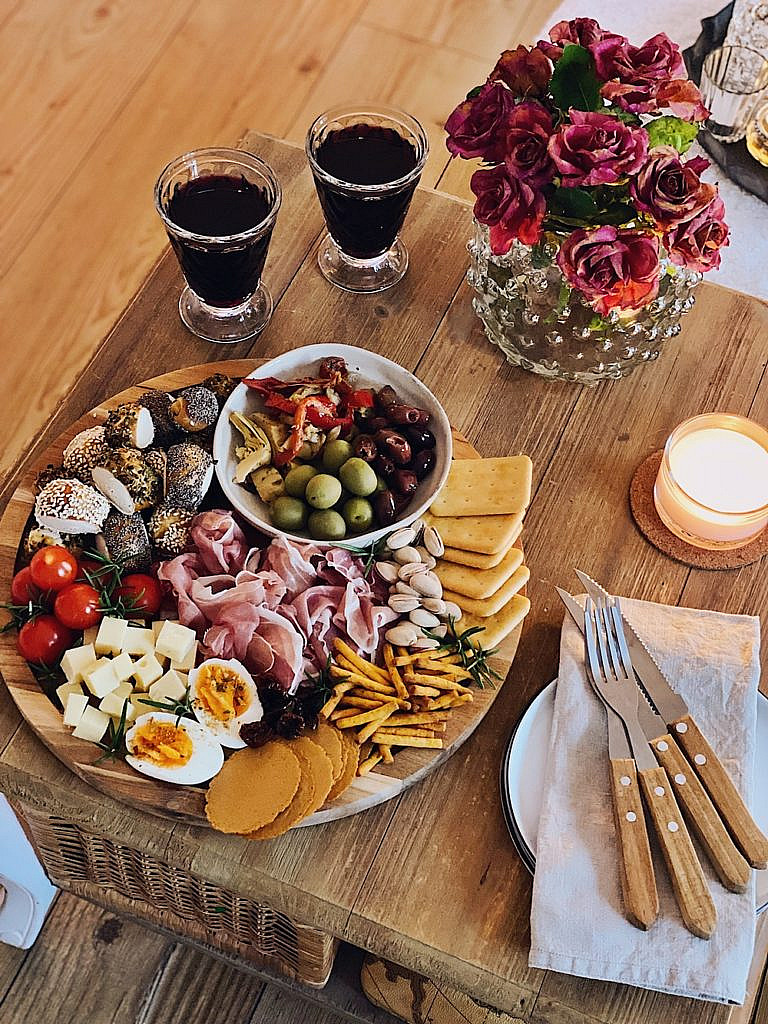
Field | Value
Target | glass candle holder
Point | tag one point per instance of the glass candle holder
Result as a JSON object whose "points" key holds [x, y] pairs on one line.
{"points": [[219, 207], [366, 161], [712, 485], [732, 79]]}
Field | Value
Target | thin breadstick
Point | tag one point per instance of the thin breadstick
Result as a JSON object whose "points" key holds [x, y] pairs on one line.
{"points": [[441, 682], [448, 670], [394, 739], [389, 661], [374, 715], [386, 754], [356, 678], [403, 660], [367, 731], [386, 689], [416, 690], [350, 701], [380, 698], [449, 700], [344, 713], [447, 656], [338, 692], [401, 731], [427, 718], [366, 667], [370, 762]]}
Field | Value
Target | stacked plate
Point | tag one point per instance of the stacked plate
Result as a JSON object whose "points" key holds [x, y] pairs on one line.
{"points": [[523, 770]]}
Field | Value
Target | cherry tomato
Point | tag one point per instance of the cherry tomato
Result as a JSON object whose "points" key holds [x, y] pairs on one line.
{"points": [[44, 639], [143, 592], [23, 590], [53, 568], [77, 606]]}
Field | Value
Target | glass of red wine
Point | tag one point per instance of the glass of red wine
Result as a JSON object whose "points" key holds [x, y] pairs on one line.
{"points": [[366, 161], [219, 207]]}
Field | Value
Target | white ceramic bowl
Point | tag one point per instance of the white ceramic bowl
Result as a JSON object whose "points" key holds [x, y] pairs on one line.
{"points": [[368, 370]]}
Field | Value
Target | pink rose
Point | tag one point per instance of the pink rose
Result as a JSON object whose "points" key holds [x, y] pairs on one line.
{"points": [[581, 31], [683, 99], [696, 243], [526, 72], [596, 149], [612, 268], [510, 208], [670, 190], [530, 129], [478, 127], [633, 73]]}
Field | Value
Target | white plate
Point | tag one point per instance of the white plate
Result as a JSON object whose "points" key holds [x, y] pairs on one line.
{"points": [[369, 370], [524, 766]]}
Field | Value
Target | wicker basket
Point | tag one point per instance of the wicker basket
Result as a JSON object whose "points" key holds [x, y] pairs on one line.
{"points": [[122, 878]]}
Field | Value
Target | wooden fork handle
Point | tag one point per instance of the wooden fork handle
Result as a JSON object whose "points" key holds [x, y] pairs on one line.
{"points": [[720, 786], [702, 816], [691, 891], [638, 882]]}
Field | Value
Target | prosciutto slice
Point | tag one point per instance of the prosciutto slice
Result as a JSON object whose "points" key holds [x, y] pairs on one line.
{"points": [[292, 564], [219, 541]]}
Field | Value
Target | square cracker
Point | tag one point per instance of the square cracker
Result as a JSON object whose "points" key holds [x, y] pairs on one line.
{"points": [[486, 535], [483, 607], [498, 627], [485, 487], [475, 560], [478, 583]]}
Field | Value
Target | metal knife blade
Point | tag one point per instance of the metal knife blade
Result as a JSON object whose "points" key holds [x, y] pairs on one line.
{"points": [[669, 704]]}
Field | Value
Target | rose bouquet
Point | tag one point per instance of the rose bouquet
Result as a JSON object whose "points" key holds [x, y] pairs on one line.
{"points": [[582, 140]]}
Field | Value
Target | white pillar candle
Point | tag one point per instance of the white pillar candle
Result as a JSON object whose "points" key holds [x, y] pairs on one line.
{"points": [[712, 485]]}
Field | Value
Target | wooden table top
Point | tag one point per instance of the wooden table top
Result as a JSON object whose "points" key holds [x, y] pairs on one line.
{"points": [[431, 879]]}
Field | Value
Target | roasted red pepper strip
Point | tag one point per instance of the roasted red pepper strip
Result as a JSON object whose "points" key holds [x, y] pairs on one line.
{"points": [[275, 401], [314, 408], [362, 399]]}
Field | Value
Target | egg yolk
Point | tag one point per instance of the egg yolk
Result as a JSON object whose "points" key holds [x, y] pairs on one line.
{"points": [[163, 743], [222, 692]]}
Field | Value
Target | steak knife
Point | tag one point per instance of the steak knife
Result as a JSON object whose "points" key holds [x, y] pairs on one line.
{"points": [[674, 712]]}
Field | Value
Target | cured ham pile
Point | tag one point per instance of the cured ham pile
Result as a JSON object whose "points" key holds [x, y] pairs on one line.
{"points": [[275, 608]]}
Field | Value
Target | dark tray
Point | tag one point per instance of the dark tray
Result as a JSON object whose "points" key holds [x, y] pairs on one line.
{"points": [[734, 157]]}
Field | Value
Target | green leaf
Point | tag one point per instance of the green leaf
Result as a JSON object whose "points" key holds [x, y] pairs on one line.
{"points": [[474, 92], [672, 131], [573, 203], [574, 82], [625, 116], [539, 258]]}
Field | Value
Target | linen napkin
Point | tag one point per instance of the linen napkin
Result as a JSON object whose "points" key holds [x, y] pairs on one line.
{"points": [[577, 922]]}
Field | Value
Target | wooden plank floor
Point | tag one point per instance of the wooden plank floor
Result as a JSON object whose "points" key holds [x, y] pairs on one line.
{"points": [[95, 97]]}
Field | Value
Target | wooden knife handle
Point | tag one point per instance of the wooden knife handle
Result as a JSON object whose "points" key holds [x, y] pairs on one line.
{"points": [[720, 786], [693, 896], [702, 817], [638, 881]]}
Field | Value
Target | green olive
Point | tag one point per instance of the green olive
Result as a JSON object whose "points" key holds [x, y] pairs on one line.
{"points": [[288, 513], [297, 479], [323, 490], [358, 514], [381, 484], [335, 454], [358, 477], [326, 524]]}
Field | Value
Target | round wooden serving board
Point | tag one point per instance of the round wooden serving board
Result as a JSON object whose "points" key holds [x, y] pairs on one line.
{"points": [[187, 803]]}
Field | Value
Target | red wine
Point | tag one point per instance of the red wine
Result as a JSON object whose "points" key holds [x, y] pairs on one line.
{"points": [[218, 205], [363, 154]]}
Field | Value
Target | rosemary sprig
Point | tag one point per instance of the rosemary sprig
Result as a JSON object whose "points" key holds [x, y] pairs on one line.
{"points": [[107, 579], [320, 687], [114, 747], [474, 658], [181, 708], [370, 555], [22, 613]]}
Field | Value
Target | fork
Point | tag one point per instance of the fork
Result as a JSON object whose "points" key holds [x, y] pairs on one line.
{"points": [[604, 635]]}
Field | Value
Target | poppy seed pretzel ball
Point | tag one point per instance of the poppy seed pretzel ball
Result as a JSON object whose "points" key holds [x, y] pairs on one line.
{"points": [[169, 529], [189, 475], [195, 409], [124, 539]]}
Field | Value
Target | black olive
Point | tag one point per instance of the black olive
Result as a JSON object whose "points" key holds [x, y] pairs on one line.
{"points": [[403, 414], [365, 448], [386, 395], [424, 462], [406, 481], [392, 444], [378, 423], [363, 421], [384, 507], [420, 437], [384, 466]]}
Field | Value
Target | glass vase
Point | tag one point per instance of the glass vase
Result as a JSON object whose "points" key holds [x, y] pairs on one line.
{"points": [[543, 325]]}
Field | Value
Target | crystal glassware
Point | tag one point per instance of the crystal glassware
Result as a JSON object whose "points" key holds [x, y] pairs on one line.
{"points": [[219, 208], [366, 161], [732, 78]]}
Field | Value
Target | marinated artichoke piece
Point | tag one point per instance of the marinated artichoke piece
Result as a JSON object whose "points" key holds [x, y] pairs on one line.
{"points": [[276, 432], [268, 483]]}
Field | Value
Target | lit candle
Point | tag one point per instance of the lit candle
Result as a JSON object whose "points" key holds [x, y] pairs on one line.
{"points": [[712, 486]]}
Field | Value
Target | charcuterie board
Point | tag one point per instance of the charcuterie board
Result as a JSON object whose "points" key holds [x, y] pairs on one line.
{"points": [[186, 803]]}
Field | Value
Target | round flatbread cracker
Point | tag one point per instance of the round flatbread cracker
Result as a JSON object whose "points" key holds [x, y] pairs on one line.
{"points": [[252, 788], [351, 752], [329, 738], [301, 805], [306, 748]]}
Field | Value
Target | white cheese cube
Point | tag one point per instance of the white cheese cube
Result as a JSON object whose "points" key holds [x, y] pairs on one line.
{"points": [[65, 690], [139, 641], [111, 636], [123, 666], [146, 671], [158, 624], [101, 679], [89, 635], [137, 698], [112, 705], [92, 725], [175, 641], [76, 661], [124, 688], [186, 663], [168, 687], [74, 708]]}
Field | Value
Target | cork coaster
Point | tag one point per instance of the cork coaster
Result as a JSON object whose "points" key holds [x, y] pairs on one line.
{"points": [[649, 524]]}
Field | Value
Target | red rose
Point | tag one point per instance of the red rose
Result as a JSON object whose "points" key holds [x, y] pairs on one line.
{"points": [[530, 129], [478, 126], [510, 208], [696, 243], [634, 73], [581, 31], [683, 99], [526, 72], [670, 190], [612, 268], [597, 149]]}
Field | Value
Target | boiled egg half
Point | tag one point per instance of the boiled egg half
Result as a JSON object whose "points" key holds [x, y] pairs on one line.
{"points": [[173, 749], [224, 697]]}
